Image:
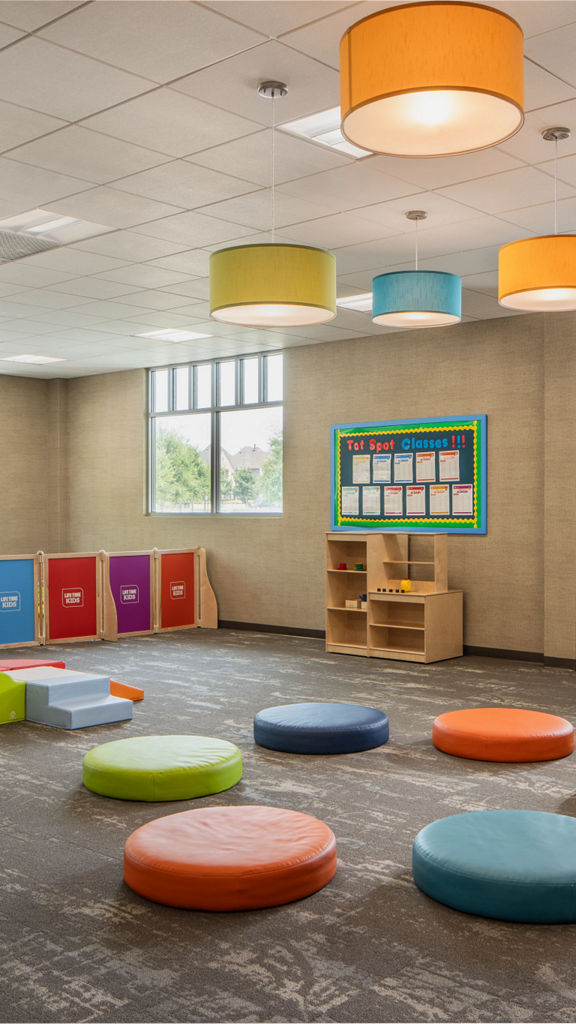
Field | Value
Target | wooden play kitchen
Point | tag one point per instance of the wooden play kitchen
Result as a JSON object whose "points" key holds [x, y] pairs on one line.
{"points": [[382, 602]]}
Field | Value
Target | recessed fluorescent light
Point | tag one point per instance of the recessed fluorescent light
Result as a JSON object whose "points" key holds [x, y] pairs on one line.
{"points": [[50, 225], [324, 127], [361, 302], [32, 359], [172, 335]]}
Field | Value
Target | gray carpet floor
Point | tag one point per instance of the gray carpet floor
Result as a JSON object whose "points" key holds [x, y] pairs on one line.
{"points": [[78, 945]]}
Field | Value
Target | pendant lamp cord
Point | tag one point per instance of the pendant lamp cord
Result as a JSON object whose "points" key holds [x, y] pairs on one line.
{"points": [[555, 186], [273, 190], [416, 245]]}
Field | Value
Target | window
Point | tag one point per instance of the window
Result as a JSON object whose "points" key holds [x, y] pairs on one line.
{"points": [[216, 437]]}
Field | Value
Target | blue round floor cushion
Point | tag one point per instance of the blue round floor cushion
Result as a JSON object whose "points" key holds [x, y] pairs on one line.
{"points": [[314, 728], [510, 865]]}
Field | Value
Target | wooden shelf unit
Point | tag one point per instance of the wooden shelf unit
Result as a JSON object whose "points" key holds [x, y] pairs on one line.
{"points": [[423, 625]]}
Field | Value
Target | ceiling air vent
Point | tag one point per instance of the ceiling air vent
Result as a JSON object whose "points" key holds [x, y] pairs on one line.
{"points": [[14, 245]]}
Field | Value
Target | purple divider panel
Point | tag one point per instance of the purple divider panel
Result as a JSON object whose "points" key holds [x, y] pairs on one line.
{"points": [[130, 585]]}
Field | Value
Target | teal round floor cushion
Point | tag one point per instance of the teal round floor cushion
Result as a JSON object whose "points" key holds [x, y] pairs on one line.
{"points": [[162, 767], [511, 865]]}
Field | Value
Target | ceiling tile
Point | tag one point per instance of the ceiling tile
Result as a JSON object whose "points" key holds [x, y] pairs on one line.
{"points": [[538, 17], [540, 219], [170, 122], [129, 247], [233, 85], [153, 300], [30, 187], [542, 88], [391, 215], [88, 155], [47, 299], [187, 185], [529, 145], [105, 205], [322, 39], [164, 42], [507, 191], [141, 275], [556, 50], [255, 210], [349, 187], [8, 34], [192, 262], [73, 262], [54, 81], [34, 13], [331, 232], [251, 157], [193, 228], [20, 125], [437, 172], [93, 288], [275, 18]]}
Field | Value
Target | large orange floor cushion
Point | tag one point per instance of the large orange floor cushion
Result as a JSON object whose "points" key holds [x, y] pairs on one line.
{"points": [[230, 858], [503, 734]]}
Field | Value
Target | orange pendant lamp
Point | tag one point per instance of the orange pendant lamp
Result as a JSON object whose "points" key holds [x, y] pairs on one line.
{"points": [[432, 79], [537, 275]]}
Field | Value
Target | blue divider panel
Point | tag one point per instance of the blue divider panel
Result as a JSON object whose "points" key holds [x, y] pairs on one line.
{"points": [[17, 625]]}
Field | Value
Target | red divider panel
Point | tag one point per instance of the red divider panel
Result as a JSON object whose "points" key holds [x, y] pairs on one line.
{"points": [[72, 602], [177, 589]]}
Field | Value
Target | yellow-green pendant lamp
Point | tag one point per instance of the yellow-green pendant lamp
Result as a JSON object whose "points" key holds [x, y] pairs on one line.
{"points": [[538, 275], [273, 284]]}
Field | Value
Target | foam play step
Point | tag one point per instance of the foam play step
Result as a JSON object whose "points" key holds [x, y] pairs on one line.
{"points": [[12, 700], [70, 700]]}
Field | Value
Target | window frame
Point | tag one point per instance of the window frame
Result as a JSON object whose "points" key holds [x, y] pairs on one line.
{"points": [[214, 410]]}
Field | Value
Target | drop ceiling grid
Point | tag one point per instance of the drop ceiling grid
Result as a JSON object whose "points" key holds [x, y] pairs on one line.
{"points": [[174, 161]]}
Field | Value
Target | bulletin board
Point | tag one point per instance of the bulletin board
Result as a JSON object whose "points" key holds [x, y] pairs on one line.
{"points": [[412, 476]]}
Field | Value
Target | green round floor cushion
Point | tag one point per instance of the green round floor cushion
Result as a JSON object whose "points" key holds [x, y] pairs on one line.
{"points": [[162, 767]]}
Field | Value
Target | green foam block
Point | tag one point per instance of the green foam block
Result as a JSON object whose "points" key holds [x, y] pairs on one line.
{"points": [[12, 700]]}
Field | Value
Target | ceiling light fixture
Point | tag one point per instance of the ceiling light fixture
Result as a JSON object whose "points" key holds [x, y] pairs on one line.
{"points": [[324, 127], [171, 334], [432, 79], [361, 303], [416, 298], [538, 274], [272, 285], [28, 358]]}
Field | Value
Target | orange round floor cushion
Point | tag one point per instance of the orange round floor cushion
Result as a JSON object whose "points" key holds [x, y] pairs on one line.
{"points": [[230, 858], [503, 734]]}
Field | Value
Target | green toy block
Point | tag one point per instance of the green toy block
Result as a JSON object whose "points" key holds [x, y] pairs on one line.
{"points": [[12, 700]]}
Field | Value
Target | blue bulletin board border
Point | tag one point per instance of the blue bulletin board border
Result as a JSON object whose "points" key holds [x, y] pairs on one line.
{"points": [[369, 435]]}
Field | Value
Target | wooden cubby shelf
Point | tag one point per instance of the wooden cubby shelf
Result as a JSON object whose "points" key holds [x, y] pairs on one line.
{"points": [[423, 625]]}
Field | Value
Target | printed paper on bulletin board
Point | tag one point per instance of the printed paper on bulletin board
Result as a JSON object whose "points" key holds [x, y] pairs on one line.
{"points": [[412, 476]]}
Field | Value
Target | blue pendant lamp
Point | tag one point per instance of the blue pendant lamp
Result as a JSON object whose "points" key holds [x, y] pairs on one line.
{"points": [[416, 298]]}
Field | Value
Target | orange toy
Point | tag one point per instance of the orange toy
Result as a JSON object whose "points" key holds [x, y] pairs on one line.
{"points": [[503, 734], [124, 690], [230, 858]]}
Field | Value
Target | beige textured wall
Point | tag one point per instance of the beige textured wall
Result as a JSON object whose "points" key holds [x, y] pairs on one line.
{"points": [[30, 466], [519, 580]]}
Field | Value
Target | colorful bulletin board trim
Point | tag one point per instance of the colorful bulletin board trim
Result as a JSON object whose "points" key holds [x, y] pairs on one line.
{"points": [[413, 476]]}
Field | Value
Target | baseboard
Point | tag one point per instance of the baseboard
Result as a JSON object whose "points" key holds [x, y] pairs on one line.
{"points": [[259, 627], [479, 652]]}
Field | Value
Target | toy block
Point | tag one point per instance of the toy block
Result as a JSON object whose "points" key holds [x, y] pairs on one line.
{"points": [[125, 690], [12, 700]]}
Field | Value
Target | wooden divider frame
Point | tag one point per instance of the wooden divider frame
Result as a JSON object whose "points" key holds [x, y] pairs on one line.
{"points": [[38, 599], [205, 604], [45, 561]]}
